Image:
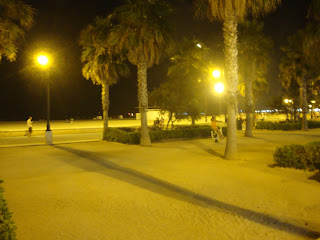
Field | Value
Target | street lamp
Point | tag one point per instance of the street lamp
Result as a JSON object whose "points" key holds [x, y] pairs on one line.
{"points": [[288, 101], [44, 61], [216, 73]]}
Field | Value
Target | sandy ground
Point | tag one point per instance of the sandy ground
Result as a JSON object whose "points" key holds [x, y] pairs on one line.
{"points": [[173, 190]]}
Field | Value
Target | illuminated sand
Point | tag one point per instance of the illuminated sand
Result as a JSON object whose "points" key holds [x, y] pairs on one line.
{"points": [[173, 190]]}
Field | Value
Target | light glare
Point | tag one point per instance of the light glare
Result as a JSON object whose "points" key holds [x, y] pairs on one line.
{"points": [[219, 87], [216, 73], [43, 60]]}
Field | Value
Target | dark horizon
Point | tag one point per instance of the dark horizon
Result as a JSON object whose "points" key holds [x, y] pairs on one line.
{"points": [[57, 27]]}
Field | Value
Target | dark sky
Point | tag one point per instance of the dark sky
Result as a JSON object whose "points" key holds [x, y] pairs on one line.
{"points": [[57, 28]]}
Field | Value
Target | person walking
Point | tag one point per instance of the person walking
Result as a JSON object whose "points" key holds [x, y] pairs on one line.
{"points": [[29, 125]]}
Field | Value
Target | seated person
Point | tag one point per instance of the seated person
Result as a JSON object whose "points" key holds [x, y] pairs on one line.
{"points": [[215, 128]]}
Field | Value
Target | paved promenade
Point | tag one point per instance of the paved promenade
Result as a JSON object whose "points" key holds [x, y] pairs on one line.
{"points": [[177, 190], [14, 133]]}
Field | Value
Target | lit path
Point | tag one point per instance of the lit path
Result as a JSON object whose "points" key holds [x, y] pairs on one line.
{"points": [[57, 139], [96, 124], [77, 124], [177, 190]]}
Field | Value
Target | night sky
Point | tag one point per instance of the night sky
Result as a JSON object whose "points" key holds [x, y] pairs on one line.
{"points": [[57, 28]]}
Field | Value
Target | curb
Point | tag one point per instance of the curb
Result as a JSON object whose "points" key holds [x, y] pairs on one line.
{"points": [[44, 144]]}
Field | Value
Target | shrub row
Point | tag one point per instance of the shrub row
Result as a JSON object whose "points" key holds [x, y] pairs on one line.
{"points": [[285, 126], [117, 135], [299, 156], [132, 136], [7, 226]]}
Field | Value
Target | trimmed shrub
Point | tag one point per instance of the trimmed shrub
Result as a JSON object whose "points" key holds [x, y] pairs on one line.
{"points": [[117, 135], [132, 135], [299, 156], [313, 124], [7, 226], [286, 126]]}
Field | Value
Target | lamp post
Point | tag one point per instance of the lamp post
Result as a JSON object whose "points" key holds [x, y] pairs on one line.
{"points": [[43, 61], [219, 88], [287, 102]]}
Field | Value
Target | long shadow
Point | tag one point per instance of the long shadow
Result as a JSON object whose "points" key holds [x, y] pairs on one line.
{"points": [[92, 162], [207, 149]]}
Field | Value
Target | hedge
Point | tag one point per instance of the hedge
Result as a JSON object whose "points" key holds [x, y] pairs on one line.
{"points": [[299, 156], [7, 226], [117, 135], [132, 136], [286, 126]]}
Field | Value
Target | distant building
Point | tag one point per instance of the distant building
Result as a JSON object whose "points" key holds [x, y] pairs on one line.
{"points": [[153, 114]]}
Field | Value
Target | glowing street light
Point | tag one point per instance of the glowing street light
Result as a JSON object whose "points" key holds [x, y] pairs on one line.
{"points": [[219, 87], [313, 101], [216, 73], [43, 61], [199, 45], [288, 101]]}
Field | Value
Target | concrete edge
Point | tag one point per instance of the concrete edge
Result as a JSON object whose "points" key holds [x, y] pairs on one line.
{"points": [[44, 144]]}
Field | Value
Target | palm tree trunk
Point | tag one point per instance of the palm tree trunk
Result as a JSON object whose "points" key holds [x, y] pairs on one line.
{"points": [[105, 108], [249, 107], [143, 100], [193, 121], [170, 118], [304, 104], [231, 54]]}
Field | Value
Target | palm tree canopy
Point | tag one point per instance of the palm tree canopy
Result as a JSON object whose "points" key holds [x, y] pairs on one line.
{"points": [[222, 9], [141, 27], [101, 64], [301, 58], [15, 17]]}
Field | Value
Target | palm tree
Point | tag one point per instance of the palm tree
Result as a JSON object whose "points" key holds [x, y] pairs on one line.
{"points": [[230, 12], [101, 64], [141, 30], [15, 18], [253, 62], [300, 64]]}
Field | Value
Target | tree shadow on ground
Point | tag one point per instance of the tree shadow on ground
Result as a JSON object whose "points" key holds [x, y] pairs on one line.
{"points": [[207, 149], [91, 161]]}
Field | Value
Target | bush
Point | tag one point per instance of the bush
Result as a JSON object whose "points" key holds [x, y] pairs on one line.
{"points": [[299, 156], [181, 132], [286, 126], [279, 126], [313, 124], [7, 226], [132, 136], [117, 135]]}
